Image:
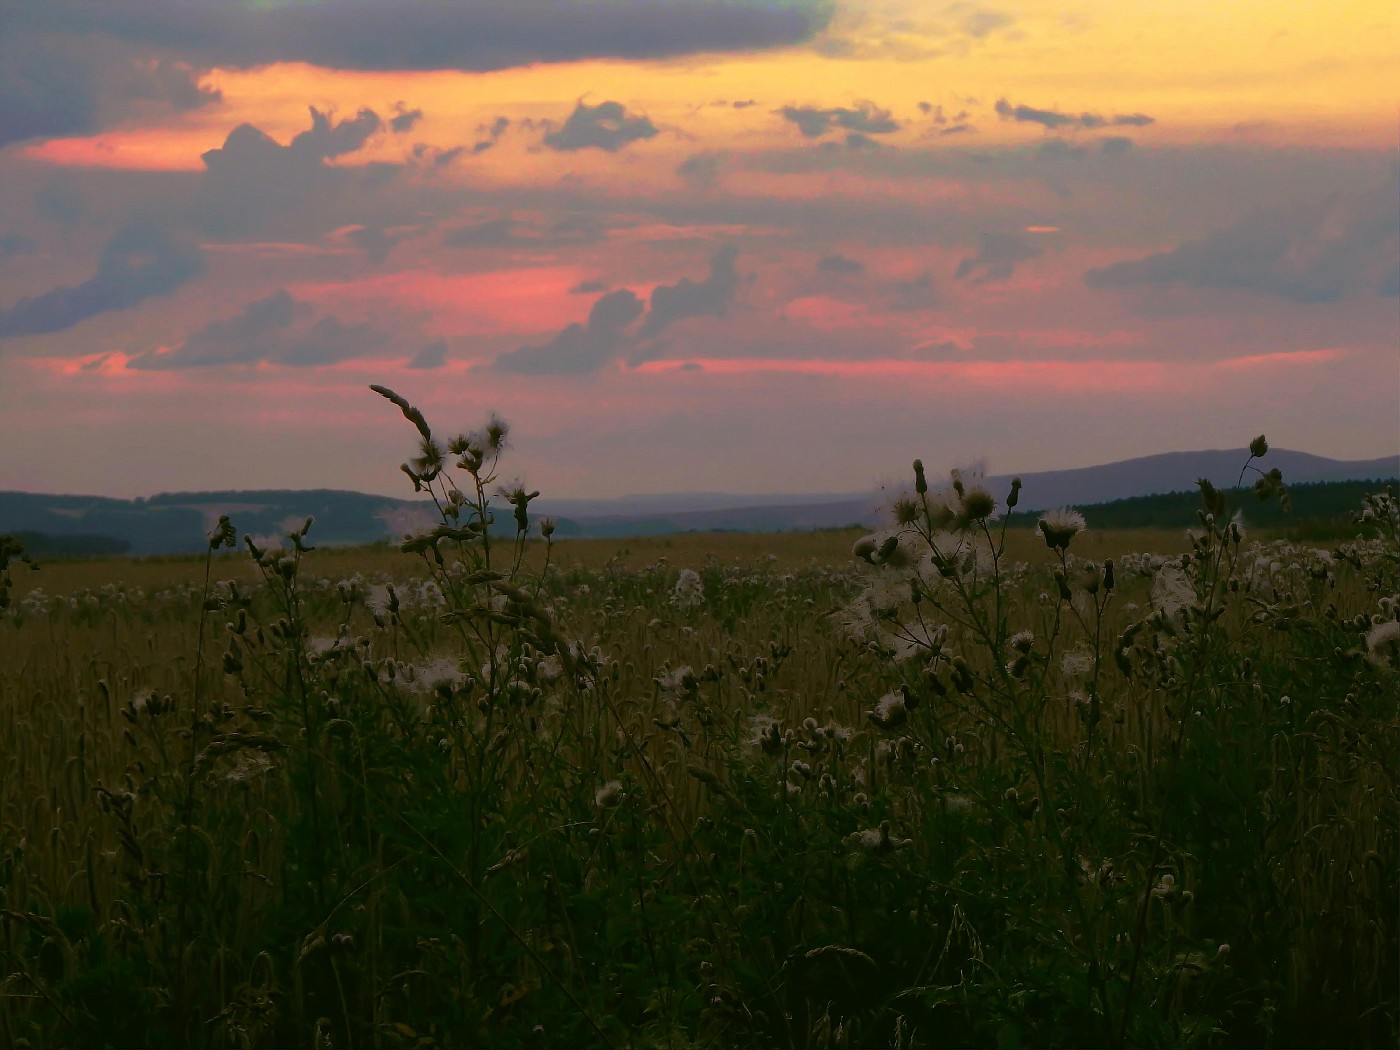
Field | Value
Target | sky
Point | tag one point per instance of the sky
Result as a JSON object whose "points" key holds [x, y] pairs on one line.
{"points": [[749, 246]]}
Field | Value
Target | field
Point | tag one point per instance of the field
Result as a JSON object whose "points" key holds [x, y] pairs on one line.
{"points": [[945, 785]]}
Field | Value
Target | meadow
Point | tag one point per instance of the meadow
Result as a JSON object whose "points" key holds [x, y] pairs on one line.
{"points": [[946, 784]]}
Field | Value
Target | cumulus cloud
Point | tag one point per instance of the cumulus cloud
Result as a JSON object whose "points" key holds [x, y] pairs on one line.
{"points": [[865, 119], [996, 259], [711, 297], [137, 264], [279, 329], [606, 126], [1345, 246], [580, 348], [253, 185], [1053, 119], [395, 34]]}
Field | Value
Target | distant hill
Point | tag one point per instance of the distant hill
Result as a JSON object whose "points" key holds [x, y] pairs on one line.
{"points": [[179, 521], [1316, 506]]}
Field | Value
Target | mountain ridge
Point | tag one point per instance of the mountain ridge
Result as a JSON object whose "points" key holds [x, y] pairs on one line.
{"points": [[172, 522]]}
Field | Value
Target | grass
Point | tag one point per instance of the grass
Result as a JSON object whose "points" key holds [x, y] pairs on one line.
{"points": [[709, 790]]}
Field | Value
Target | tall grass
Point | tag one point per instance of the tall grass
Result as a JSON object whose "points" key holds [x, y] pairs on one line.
{"points": [[961, 792]]}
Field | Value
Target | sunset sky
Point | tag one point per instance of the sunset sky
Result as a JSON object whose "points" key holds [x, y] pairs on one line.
{"points": [[744, 246]]}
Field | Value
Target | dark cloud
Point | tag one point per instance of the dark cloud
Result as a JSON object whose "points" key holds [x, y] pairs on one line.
{"points": [[253, 186], [703, 169], [492, 133], [441, 158], [401, 34], [711, 297], [404, 118], [587, 287], [580, 348], [325, 140], [605, 126], [279, 329], [51, 87], [490, 234], [434, 355], [1053, 119], [1115, 145], [839, 265], [865, 119], [1340, 248], [375, 241], [996, 259], [137, 264]]}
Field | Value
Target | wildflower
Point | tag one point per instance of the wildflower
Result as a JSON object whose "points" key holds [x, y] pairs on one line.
{"points": [[977, 505], [1171, 590], [550, 668], [1383, 644], [877, 840], [610, 794], [886, 593], [381, 599], [1060, 526], [958, 805], [1076, 662], [247, 766], [914, 639], [890, 711], [689, 590], [1165, 890], [1022, 641], [681, 680], [865, 549], [429, 675]]}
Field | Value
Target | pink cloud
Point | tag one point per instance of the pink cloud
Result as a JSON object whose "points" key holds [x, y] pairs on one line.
{"points": [[518, 300]]}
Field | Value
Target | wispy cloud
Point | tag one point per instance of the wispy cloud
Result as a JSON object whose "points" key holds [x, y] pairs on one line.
{"points": [[1054, 119]]}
